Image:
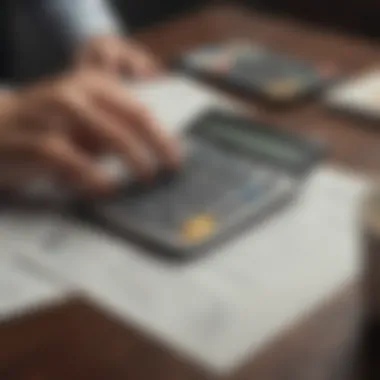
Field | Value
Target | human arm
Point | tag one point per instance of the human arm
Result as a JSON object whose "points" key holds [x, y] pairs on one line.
{"points": [[94, 35]]}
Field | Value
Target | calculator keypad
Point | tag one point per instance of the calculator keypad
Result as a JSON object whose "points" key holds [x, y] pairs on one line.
{"points": [[212, 182]]}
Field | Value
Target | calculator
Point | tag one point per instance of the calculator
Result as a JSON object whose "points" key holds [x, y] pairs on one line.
{"points": [[252, 68], [235, 171]]}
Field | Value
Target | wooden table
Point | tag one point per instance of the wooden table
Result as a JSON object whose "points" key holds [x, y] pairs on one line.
{"points": [[78, 342]]}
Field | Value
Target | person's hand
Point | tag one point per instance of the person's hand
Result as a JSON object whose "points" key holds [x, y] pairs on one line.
{"points": [[118, 55], [56, 128]]}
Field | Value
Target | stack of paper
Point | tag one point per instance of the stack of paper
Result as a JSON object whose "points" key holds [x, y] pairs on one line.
{"points": [[220, 309], [25, 288], [224, 307]]}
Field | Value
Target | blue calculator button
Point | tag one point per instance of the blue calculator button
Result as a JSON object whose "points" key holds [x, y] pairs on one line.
{"points": [[251, 192]]}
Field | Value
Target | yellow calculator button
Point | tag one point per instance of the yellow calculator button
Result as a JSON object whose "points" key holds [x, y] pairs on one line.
{"points": [[282, 88], [198, 227]]}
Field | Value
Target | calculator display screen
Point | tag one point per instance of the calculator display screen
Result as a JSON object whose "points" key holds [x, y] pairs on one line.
{"points": [[255, 142]]}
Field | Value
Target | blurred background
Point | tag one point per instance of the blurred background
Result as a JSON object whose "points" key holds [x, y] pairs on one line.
{"points": [[353, 16]]}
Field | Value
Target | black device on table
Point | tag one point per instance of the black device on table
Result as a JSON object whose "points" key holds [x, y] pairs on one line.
{"points": [[236, 170], [273, 76]]}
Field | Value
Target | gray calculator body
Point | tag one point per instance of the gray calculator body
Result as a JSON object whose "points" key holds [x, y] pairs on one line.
{"points": [[254, 69], [228, 179]]}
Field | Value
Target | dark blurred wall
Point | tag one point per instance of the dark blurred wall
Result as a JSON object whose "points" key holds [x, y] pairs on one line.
{"points": [[359, 16], [143, 13], [4, 62]]}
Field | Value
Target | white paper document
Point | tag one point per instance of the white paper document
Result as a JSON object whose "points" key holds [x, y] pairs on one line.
{"points": [[223, 308], [360, 93], [25, 288], [220, 309], [176, 100]]}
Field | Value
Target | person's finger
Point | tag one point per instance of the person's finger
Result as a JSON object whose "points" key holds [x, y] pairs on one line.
{"points": [[152, 65], [138, 62], [135, 116], [112, 134], [16, 171], [24, 157], [83, 57], [98, 57], [73, 163], [130, 63], [121, 140], [90, 144], [108, 58]]}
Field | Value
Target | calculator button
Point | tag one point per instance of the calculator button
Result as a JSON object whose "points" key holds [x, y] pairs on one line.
{"points": [[207, 181], [238, 200], [203, 192], [198, 227], [283, 88], [255, 189], [227, 206]]}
